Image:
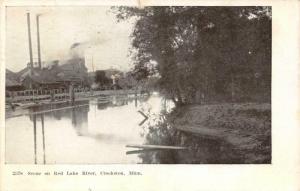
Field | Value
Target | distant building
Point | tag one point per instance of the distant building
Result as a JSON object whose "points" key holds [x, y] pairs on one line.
{"points": [[73, 71], [11, 82], [55, 74], [41, 80]]}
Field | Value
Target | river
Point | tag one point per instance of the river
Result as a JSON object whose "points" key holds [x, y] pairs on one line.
{"points": [[96, 131]]}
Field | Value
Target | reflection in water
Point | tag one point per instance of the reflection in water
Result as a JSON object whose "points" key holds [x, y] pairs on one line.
{"points": [[79, 116], [66, 134], [97, 131], [103, 105], [43, 134], [201, 150], [34, 135]]}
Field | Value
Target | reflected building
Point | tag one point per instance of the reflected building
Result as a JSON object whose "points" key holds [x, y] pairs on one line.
{"points": [[56, 111], [79, 118], [104, 105]]}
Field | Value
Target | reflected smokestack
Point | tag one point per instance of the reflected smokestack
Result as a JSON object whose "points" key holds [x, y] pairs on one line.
{"points": [[43, 133], [34, 137]]}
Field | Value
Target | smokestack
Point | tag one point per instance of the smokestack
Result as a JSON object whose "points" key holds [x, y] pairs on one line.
{"points": [[30, 45], [38, 40]]}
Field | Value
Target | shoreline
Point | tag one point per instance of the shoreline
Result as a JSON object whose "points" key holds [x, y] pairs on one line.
{"points": [[245, 126]]}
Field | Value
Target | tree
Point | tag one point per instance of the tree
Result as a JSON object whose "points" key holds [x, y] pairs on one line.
{"points": [[100, 78], [209, 51]]}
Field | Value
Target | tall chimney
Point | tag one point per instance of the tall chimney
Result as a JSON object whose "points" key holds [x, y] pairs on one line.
{"points": [[38, 40], [30, 45]]}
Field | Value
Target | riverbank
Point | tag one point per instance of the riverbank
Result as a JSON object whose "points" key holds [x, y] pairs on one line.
{"points": [[21, 108], [34, 95], [247, 127]]}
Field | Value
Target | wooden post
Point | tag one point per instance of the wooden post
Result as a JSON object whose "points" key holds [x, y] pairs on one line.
{"points": [[52, 95], [72, 93]]}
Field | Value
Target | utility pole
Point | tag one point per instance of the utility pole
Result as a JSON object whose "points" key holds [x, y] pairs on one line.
{"points": [[38, 40], [30, 47]]}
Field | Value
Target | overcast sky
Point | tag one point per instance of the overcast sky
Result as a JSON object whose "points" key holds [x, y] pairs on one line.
{"points": [[106, 42]]}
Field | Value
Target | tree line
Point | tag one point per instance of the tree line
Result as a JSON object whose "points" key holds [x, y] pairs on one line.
{"points": [[203, 54]]}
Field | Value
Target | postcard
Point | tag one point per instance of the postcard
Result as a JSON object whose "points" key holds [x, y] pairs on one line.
{"points": [[149, 95]]}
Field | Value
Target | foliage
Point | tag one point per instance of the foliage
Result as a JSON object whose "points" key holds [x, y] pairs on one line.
{"points": [[204, 54], [100, 78]]}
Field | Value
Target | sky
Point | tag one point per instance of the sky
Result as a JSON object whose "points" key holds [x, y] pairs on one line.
{"points": [[105, 42]]}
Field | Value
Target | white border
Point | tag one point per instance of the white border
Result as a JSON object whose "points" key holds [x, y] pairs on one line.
{"points": [[284, 172]]}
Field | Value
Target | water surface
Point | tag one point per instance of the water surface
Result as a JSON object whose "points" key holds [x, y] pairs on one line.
{"points": [[96, 131]]}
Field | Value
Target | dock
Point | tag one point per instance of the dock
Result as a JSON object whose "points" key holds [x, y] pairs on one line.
{"points": [[35, 95]]}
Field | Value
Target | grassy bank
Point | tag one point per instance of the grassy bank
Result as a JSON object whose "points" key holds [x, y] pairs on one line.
{"points": [[247, 127]]}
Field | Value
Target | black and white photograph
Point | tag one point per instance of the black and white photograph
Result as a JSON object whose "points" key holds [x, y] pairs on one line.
{"points": [[138, 85]]}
